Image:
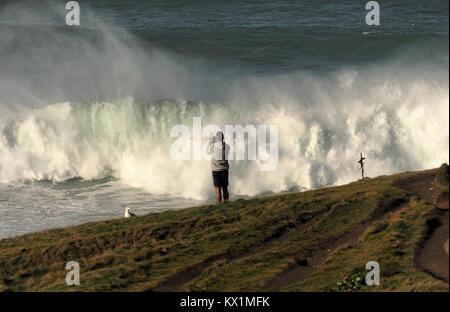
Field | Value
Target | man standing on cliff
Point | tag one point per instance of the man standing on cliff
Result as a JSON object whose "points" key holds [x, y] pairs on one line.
{"points": [[219, 150]]}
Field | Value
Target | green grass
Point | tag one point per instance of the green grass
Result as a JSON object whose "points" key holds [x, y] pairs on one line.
{"points": [[442, 182], [138, 254], [392, 244], [442, 177]]}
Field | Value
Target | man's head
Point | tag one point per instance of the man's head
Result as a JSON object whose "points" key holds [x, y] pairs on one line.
{"points": [[219, 136]]}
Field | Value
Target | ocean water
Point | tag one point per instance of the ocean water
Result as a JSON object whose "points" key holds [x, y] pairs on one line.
{"points": [[86, 111]]}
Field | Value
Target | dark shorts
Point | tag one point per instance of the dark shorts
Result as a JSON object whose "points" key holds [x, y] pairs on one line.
{"points": [[220, 178]]}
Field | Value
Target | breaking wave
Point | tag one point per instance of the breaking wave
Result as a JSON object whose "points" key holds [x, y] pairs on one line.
{"points": [[398, 118]]}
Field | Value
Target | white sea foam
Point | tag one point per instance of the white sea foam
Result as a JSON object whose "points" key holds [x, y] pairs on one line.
{"points": [[397, 118]]}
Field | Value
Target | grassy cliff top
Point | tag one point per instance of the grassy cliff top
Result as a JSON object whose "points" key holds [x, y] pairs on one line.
{"points": [[316, 240]]}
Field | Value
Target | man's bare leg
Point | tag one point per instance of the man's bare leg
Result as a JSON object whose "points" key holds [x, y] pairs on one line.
{"points": [[218, 195], [225, 193]]}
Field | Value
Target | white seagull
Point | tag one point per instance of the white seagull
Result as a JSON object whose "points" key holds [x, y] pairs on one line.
{"points": [[128, 213]]}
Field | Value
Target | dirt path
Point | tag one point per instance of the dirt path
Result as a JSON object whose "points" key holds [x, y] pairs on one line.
{"points": [[430, 254], [322, 250], [421, 185], [305, 220]]}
